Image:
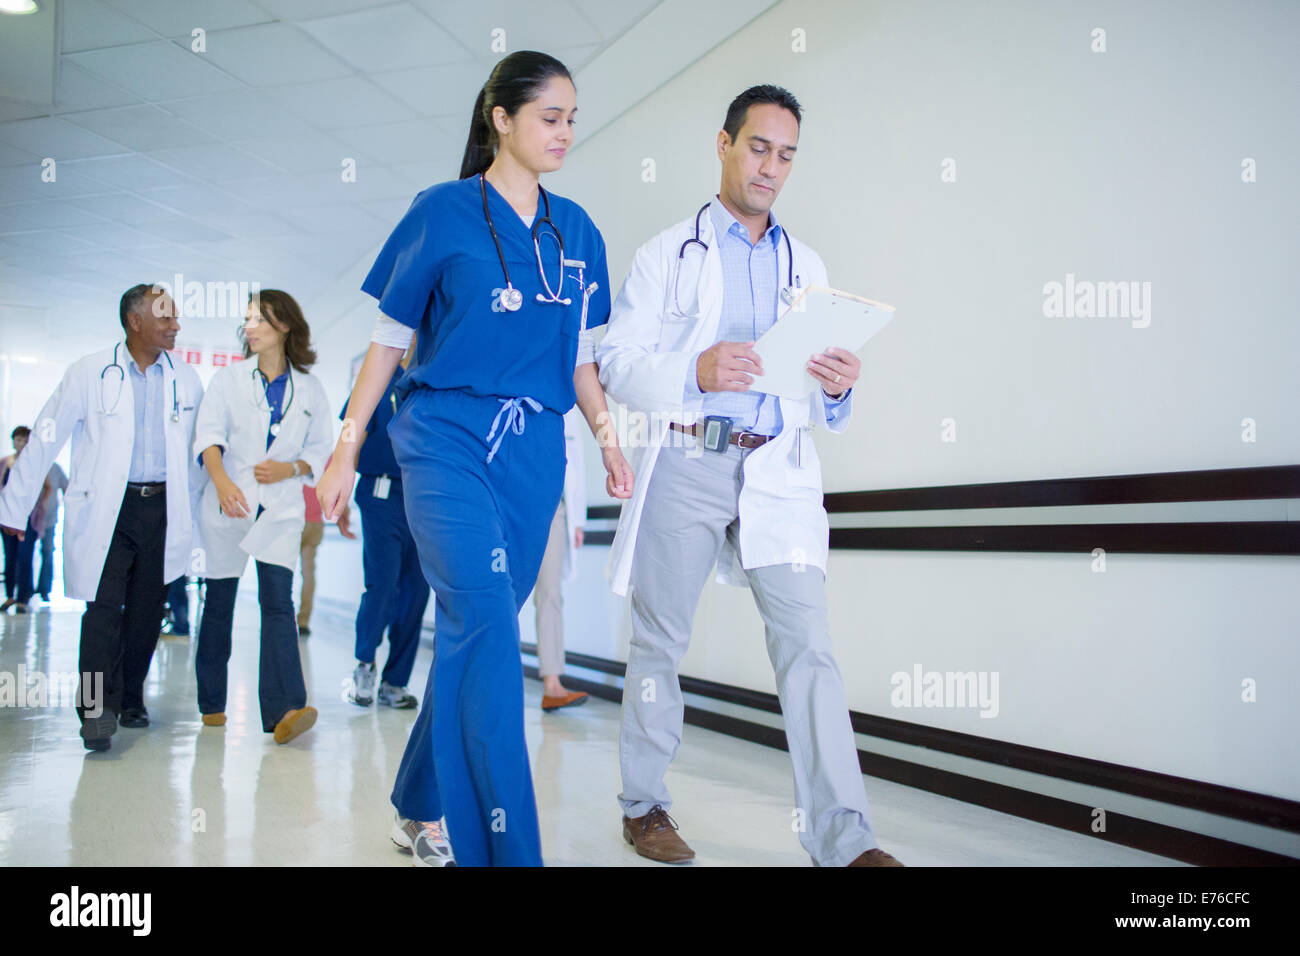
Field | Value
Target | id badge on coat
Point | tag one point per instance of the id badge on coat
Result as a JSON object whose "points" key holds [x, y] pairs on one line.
{"points": [[381, 487]]}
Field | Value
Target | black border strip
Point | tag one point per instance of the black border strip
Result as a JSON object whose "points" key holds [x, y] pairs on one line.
{"points": [[1262, 809]]}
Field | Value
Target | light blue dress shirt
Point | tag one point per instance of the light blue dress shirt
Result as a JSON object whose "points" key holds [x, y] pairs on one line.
{"points": [[149, 450], [750, 290]]}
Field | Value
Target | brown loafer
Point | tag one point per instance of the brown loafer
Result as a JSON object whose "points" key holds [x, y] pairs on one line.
{"points": [[875, 857], [655, 837], [572, 699], [294, 723], [214, 720]]}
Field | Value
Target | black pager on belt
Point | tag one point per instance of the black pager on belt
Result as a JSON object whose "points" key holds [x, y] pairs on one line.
{"points": [[717, 432]]}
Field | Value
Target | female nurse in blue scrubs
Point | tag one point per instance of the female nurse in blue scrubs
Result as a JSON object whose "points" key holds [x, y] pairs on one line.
{"points": [[502, 278]]}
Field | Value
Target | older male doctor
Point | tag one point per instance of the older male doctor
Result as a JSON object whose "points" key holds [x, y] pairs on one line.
{"points": [[130, 504], [679, 348]]}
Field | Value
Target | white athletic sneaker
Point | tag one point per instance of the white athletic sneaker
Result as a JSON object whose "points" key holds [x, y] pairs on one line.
{"points": [[395, 697], [363, 685], [427, 842]]}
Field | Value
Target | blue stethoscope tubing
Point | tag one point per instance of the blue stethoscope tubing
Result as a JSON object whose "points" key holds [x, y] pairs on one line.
{"points": [[121, 382], [511, 298], [787, 293]]}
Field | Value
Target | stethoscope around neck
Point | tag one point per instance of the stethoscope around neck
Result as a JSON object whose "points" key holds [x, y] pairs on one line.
{"points": [[788, 294], [121, 384], [259, 378], [510, 298]]}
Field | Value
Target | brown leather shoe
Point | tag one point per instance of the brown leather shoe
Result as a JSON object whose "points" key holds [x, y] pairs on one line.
{"points": [[294, 723], [655, 837], [875, 857], [214, 720], [572, 699]]}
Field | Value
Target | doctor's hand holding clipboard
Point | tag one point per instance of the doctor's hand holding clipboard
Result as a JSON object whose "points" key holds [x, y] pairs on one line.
{"points": [[835, 369], [819, 314]]}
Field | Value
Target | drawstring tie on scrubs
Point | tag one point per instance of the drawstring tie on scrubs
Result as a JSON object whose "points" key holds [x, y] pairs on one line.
{"points": [[512, 409]]}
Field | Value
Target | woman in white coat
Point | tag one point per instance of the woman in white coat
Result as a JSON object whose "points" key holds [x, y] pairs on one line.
{"points": [[263, 430]]}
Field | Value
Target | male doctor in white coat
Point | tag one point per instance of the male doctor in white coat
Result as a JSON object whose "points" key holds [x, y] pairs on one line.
{"points": [[678, 349], [130, 505]]}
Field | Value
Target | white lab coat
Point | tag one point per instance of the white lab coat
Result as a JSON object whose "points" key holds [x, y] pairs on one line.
{"points": [[101, 461], [644, 360], [235, 415], [575, 485]]}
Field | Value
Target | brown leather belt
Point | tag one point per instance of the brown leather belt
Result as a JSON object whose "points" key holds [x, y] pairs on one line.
{"points": [[743, 439]]}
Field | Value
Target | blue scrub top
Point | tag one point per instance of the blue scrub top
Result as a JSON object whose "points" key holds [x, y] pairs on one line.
{"points": [[376, 457], [274, 398], [439, 273]]}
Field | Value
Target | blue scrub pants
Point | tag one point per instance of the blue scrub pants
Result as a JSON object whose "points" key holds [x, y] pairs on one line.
{"points": [[18, 564], [46, 579], [481, 531], [396, 593], [178, 600]]}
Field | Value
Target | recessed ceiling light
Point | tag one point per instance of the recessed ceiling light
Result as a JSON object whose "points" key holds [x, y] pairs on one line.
{"points": [[18, 7]]}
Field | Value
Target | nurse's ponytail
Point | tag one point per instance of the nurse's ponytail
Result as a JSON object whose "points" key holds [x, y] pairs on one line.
{"points": [[478, 149], [515, 80]]}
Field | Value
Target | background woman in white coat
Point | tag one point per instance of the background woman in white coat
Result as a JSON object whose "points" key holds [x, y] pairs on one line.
{"points": [[263, 429]]}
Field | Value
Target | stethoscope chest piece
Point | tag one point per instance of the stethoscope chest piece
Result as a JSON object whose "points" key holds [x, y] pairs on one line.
{"points": [[511, 299], [275, 428]]}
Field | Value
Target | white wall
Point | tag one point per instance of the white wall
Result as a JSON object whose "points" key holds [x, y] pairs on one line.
{"points": [[1123, 165]]}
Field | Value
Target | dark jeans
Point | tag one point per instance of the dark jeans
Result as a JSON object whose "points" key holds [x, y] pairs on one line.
{"points": [[280, 686], [119, 630], [18, 564]]}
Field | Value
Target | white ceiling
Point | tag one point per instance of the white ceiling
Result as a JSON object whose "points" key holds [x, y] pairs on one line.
{"points": [[225, 165]]}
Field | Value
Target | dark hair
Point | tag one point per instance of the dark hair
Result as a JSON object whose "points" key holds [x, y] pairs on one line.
{"points": [[766, 93], [281, 307], [20, 430], [515, 80], [132, 298]]}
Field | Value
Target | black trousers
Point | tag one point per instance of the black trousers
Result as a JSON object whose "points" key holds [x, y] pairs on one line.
{"points": [[119, 630]]}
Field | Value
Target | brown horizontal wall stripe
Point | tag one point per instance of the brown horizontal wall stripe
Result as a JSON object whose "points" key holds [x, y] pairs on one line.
{"points": [[1220, 484], [1190, 537], [1171, 537], [1184, 845], [1263, 809], [1223, 484]]}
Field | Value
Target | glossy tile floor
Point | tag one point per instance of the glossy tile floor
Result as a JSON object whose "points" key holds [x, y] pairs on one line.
{"points": [[182, 794]]}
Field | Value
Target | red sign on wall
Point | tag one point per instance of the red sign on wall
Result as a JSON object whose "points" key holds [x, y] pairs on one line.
{"points": [[218, 358]]}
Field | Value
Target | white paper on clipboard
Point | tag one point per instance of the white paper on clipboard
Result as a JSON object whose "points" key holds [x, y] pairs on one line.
{"points": [[820, 318]]}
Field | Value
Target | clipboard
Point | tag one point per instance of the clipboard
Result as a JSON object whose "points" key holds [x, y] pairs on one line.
{"points": [[820, 318]]}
